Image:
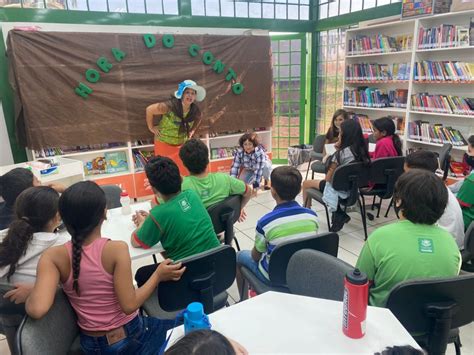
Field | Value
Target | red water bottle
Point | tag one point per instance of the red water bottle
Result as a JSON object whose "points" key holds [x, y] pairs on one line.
{"points": [[356, 296]]}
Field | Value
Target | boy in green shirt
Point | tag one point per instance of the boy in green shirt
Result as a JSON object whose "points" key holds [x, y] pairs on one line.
{"points": [[413, 247], [181, 223], [466, 192], [212, 188]]}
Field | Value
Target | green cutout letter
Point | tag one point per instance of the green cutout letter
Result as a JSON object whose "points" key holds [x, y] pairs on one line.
{"points": [[218, 66], [237, 88], [118, 54], [104, 65], [230, 75], [194, 50], [168, 41], [207, 58], [149, 40], [92, 75], [83, 90]]}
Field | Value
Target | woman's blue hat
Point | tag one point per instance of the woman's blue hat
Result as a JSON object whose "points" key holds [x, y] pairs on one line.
{"points": [[189, 84]]}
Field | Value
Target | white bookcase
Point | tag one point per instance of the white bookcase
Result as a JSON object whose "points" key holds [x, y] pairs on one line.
{"points": [[464, 123]]}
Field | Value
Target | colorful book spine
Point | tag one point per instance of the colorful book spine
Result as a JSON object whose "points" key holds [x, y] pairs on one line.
{"points": [[423, 131], [375, 98], [442, 104], [443, 71], [366, 72], [442, 36], [379, 44]]}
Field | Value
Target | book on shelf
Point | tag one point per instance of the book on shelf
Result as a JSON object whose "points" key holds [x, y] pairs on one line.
{"points": [[377, 72], [366, 123], [140, 142], [223, 152], [379, 43], [442, 104], [435, 133], [375, 98], [141, 158], [427, 70], [116, 162], [54, 151], [411, 8], [443, 36]]}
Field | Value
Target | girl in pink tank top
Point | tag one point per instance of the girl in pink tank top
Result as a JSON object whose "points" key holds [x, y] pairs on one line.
{"points": [[96, 276]]}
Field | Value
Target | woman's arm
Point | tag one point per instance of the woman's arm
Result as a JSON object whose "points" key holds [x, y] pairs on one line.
{"points": [[154, 110], [131, 299]]}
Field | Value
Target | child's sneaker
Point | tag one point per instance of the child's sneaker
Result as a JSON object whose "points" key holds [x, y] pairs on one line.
{"points": [[252, 293]]}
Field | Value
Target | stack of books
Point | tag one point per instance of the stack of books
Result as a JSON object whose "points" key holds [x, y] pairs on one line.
{"points": [[376, 98], [442, 104], [224, 152], [443, 71], [379, 44], [141, 158], [435, 133], [443, 36], [377, 72]]}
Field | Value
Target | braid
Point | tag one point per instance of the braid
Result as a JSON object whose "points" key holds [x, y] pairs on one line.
{"points": [[76, 262]]}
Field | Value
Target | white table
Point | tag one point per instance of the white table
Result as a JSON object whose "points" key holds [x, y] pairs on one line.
{"points": [[280, 323]]}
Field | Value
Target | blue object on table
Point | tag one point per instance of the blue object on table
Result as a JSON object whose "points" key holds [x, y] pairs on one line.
{"points": [[194, 318], [49, 171]]}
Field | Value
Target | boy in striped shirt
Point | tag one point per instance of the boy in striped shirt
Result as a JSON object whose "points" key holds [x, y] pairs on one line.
{"points": [[287, 220]]}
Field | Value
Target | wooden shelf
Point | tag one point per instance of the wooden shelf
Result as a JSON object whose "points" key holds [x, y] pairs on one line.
{"points": [[376, 54], [463, 148], [377, 81], [103, 176], [143, 146], [441, 114], [444, 49], [424, 82], [386, 109]]}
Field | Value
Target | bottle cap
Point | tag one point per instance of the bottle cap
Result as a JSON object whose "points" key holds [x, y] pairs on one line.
{"points": [[195, 311], [124, 193], [356, 277]]}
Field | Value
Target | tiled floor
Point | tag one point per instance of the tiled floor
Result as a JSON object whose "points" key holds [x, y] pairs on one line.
{"points": [[350, 245]]}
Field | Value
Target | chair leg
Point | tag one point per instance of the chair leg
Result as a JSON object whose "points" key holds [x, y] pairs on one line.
{"points": [[458, 345], [373, 203], [327, 216], [363, 214], [237, 243], [380, 206], [244, 294], [307, 170], [154, 259], [312, 175], [388, 208]]}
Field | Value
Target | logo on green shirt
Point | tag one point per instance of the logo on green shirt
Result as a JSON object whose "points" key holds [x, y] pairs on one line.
{"points": [[425, 245], [184, 204]]}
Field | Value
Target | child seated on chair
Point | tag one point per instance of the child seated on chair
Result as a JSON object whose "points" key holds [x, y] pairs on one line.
{"points": [[212, 188], [287, 220], [96, 276], [181, 223], [451, 220], [414, 247], [351, 147], [465, 194], [388, 142], [251, 162]]}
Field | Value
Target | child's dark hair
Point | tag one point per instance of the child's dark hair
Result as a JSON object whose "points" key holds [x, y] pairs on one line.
{"points": [[422, 159], [286, 180], [195, 156], [163, 175], [401, 350], [422, 196], [202, 342], [386, 124], [333, 131], [352, 137], [82, 207], [14, 183], [470, 140], [252, 137], [34, 209]]}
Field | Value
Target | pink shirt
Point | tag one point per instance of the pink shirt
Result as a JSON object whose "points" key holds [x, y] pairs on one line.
{"points": [[97, 307], [384, 148]]}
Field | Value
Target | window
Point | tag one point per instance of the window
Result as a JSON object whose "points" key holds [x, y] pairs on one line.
{"points": [[331, 8]]}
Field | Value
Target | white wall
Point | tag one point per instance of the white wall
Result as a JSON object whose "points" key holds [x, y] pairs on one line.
{"points": [[6, 157]]}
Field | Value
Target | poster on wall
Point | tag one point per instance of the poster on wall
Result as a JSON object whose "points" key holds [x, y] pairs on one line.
{"points": [[92, 88]]}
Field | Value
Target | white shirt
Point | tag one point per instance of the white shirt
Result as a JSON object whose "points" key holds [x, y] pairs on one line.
{"points": [[26, 267], [452, 220]]}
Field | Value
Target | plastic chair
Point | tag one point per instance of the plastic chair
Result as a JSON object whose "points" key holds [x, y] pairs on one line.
{"points": [[223, 216], [435, 308], [326, 243], [350, 178], [323, 275], [112, 195], [468, 253], [384, 172], [56, 333], [318, 149], [11, 315], [207, 277]]}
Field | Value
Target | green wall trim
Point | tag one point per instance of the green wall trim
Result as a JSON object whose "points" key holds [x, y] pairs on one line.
{"points": [[359, 16], [111, 18]]}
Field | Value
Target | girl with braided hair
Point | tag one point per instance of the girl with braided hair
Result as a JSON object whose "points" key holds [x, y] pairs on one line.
{"points": [[96, 276], [179, 118]]}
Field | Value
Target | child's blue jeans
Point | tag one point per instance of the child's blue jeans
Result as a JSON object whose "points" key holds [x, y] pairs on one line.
{"points": [[244, 258], [248, 175], [145, 335]]}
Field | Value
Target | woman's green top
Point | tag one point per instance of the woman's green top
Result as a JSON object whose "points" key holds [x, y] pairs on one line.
{"points": [[169, 129]]}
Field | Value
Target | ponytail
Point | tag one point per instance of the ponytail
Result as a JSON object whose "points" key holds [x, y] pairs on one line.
{"points": [[397, 143], [34, 209]]}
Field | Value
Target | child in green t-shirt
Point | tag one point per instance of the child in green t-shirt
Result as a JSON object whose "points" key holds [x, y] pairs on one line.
{"points": [[466, 192], [181, 223], [212, 188]]}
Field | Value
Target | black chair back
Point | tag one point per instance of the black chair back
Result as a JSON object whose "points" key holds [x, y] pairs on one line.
{"points": [[223, 216], [350, 177], [467, 253], [444, 158], [386, 171], [318, 143], [434, 307], [207, 274], [326, 242], [112, 195]]}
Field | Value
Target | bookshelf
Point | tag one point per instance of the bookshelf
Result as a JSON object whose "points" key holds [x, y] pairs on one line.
{"points": [[438, 80], [130, 157]]}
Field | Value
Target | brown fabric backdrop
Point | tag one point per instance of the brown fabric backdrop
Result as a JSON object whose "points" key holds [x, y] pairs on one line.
{"points": [[46, 67]]}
